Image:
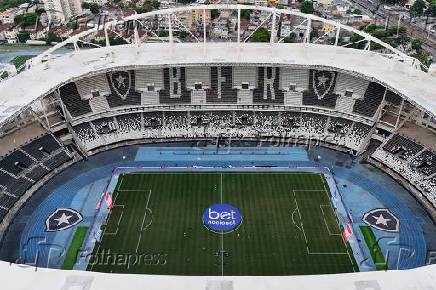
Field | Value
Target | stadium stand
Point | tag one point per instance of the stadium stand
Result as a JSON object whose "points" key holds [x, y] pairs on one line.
{"points": [[95, 89], [57, 160], [211, 124], [174, 90], [16, 162], [3, 212], [371, 101], [221, 86], [85, 133], [268, 120], [6, 201], [402, 146], [359, 135], [75, 105], [425, 163], [291, 120], [37, 173], [339, 126], [225, 85], [129, 123], [104, 125], [268, 86], [412, 161], [321, 89], [122, 86], [392, 98], [153, 119], [41, 147], [313, 124], [244, 118], [20, 169]]}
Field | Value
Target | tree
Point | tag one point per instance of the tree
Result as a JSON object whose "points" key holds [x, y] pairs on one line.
{"points": [[416, 44], [51, 37], [163, 33], [39, 11], [431, 10], [113, 41], [183, 34], [74, 25], [245, 14], [422, 57], [290, 38], [417, 8], [5, 4], [395, 2], [27, 19], [187, 1], [307, 7], [95, 9], [261, 35], [314, 33], [357, 11], [214, 13], [355, 39], [23, 36], [155, 4], [146, 7]]}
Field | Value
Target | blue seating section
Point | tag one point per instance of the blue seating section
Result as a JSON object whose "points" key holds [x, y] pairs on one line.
{"points": [[20, 169]]}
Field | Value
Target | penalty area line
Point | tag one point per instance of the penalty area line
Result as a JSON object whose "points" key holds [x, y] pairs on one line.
{"points": [[118, 223], [305, 237], [143, 220]]}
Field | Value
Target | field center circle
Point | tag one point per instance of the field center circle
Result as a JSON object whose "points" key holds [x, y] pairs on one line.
{"points": [[221, 217]]}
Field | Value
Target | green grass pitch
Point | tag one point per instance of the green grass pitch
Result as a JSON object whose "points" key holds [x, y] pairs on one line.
{"points": [[288, 227]]}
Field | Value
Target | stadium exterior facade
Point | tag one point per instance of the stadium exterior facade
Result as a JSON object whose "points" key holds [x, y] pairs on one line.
{"points": [[305, 93]]}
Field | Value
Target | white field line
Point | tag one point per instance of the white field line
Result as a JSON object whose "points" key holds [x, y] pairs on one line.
{"points": [[98, 249], [143, 221], [324, 184], [304, 233], [139, 240], [301, 221], [293, 220], [325, 221], [118, 223], [121, 183], [217, 172], [337, 219], [133, 190], [145, 214]]}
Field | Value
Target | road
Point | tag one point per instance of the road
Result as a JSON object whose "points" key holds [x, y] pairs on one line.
{"points": [[414, 31]]}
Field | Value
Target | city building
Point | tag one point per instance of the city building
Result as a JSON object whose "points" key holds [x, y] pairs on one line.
{"points": [[61, 11]]}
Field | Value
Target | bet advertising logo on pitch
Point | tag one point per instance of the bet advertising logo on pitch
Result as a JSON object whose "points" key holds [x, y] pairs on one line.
{"points": [[222, 217]]}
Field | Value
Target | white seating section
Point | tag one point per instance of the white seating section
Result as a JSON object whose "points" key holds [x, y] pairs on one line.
{"points": [[211, 124], [407, 158]]}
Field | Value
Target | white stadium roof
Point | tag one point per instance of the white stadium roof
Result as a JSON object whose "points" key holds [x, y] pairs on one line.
{"points": [[393, 68], [415, 85], [14, 276]]}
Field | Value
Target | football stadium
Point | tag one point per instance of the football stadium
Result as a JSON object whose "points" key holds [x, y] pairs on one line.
{"points": [[218, 164]]}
